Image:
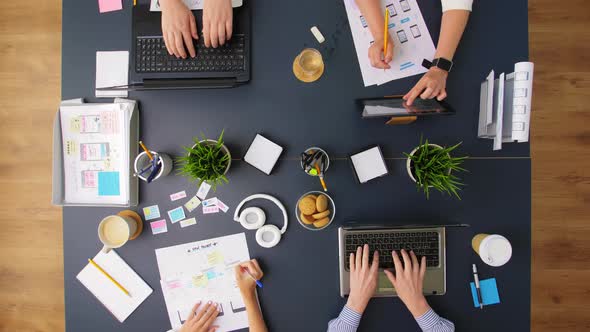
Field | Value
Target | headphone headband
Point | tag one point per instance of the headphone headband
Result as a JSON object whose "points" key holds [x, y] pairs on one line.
{"points": [[267, 197]]}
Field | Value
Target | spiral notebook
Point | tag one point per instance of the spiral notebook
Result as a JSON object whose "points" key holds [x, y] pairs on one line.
{"points": [[105, 291]]}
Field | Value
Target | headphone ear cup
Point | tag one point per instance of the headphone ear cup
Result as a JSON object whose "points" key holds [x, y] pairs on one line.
{"points": [[252, 218], [268, 236]]}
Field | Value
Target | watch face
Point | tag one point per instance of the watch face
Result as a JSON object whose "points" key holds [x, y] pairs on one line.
{"points": [[444, 64]]}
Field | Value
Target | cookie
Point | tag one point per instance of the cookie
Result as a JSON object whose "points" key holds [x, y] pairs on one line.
{"points": [[313, 196], [307, 206], [321, 203], [321, 215], [308, 220], [321, 223]]}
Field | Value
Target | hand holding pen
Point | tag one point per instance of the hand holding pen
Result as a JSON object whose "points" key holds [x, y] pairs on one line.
{"points": [[248, 275]]}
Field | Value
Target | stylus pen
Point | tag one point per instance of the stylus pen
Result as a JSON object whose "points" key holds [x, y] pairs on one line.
{"points": [[258, 282], [477, 288]]}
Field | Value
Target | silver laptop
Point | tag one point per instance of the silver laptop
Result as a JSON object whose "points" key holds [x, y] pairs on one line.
{"points": [[425, 241]]}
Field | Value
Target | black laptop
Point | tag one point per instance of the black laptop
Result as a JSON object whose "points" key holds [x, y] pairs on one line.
{"points": [[152, 68]]}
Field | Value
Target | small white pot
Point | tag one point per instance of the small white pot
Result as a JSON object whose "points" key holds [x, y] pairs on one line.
{"points": [[409, 161], [223, 147]]}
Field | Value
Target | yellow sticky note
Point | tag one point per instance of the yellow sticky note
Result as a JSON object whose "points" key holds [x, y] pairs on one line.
{"points": [[215, 258], [200, 280]]}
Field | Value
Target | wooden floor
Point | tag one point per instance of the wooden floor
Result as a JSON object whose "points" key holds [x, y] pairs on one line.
{"points": [[31, 260]]}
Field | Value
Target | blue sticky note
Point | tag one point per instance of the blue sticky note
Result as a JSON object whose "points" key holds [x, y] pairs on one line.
{"points": [[489, 292], [108, 184], [176, 214]]}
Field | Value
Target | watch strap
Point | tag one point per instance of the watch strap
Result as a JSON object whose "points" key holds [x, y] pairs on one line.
{"points": [[441, 63]]}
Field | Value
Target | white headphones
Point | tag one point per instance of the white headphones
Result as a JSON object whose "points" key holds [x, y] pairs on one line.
{"points": [[252, 218]]}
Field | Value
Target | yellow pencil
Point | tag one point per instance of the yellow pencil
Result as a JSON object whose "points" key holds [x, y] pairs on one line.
{"points": [[109, 276], [146, 150], [385, 30], [317, 167]]}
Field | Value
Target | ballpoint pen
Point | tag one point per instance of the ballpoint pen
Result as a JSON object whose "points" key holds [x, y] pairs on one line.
{"points": [[477, 288], [258, 282]]}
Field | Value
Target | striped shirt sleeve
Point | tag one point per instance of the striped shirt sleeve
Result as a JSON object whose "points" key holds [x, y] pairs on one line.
{"points": [[456, 4], [431, 322], [347, 321]]}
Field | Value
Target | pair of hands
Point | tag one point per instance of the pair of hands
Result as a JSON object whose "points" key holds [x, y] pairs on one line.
{"points": [[432, 84], [202, 321], [408, 280], [179, 26]]}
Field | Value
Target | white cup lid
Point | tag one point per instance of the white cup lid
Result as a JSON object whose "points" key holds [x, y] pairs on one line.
{"points": [[495, 250]]}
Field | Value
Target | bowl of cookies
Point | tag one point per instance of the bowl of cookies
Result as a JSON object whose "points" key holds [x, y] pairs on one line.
{"points": [[315, 210]]}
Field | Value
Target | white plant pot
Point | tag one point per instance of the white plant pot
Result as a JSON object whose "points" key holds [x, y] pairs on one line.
{"points": [[409, 161], [223, 147]]}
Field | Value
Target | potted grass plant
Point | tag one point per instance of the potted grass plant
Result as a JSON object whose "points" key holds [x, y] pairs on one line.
{"points": [[432, 166], [206, 161]]}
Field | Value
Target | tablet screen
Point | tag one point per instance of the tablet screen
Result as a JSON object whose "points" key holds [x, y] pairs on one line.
{"points": [[398, 107]]}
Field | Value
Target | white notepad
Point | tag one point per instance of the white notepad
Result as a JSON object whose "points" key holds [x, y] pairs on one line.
{"points": [[118, 303], [112, 69], [369, 164], [263, 154]]}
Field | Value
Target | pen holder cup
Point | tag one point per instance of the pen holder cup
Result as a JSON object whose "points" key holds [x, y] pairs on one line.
{"points": [[312, 150], [142, 161]]}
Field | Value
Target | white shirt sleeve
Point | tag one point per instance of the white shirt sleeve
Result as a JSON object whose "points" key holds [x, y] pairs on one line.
{"points": [[456, 4]]}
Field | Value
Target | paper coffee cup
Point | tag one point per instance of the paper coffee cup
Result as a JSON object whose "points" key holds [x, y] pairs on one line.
{"points": [[493, 249], [115, 231]]}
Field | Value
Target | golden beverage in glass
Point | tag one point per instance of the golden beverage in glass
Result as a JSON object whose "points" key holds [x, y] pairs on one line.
{"points": [[308, 65]]}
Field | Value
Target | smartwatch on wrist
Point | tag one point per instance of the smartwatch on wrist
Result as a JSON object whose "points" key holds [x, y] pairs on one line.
{"points": [[440, 63]]}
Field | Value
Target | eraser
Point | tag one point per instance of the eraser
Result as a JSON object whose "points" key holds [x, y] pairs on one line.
{"points": [[317, 34]]}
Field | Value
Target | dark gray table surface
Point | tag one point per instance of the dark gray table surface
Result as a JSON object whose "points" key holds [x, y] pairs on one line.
{"points": [[302, 272]]}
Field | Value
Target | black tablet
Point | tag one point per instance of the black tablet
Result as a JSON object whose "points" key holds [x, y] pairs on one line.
{"points": [[397, 107]]}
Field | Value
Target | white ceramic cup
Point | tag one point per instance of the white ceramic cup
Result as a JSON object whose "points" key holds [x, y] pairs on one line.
{"points": [[493, 249], [114, 231]]}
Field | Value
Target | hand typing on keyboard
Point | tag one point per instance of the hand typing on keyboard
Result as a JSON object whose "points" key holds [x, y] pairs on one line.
{"points": [[363, 278], [408, 281], [179, 26], [217, 22]]}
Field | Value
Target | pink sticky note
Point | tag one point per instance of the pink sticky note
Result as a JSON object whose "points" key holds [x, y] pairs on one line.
{"points": [[105, 6]]}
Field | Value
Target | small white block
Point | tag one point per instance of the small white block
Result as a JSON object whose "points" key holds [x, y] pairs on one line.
{"points": [[317, 34], [263, 154]]}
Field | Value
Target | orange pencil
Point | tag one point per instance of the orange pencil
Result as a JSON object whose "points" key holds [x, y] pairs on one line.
{"points": [[146, 150], [385, 32]]}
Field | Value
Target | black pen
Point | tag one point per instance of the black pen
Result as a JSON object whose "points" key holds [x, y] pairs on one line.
{"points": [[476, 278]]}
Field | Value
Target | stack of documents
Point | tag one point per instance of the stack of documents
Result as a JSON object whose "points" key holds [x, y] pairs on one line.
{"points": [[411, 41], [204, 271], [505, 106], [94, 148]]}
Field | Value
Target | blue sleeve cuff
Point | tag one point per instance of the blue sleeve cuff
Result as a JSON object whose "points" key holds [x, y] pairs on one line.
{"points": [[350, 317], [430, 320], [347, 321]]}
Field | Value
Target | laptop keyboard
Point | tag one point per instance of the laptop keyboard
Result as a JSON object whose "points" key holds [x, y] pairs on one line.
{"points": [[423, 243], [152, 57]]}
